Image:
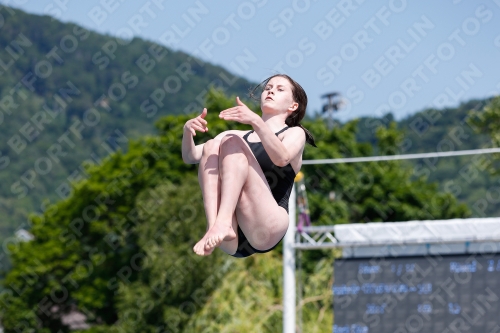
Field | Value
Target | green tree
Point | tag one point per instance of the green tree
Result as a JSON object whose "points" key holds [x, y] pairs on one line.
{"points": [[369, 192], [487, 120]]}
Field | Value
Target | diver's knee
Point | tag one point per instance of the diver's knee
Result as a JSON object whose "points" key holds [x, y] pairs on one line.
{"points": [[211, 146], [230, 140]]}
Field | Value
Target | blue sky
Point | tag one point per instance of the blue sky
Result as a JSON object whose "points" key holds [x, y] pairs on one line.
{"points": [[395, 55]]}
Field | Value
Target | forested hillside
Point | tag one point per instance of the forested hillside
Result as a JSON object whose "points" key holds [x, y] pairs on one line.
{"points": [[469, 178], [69, 97]]}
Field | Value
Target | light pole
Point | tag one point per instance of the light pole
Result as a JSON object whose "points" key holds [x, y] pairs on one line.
{"points": [[333, 104]]}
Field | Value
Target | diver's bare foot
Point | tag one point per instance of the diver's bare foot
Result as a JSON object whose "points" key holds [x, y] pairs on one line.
{"points": [[199, 248], [217, 234]]}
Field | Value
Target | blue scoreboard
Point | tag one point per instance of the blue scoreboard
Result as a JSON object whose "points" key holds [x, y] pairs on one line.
{"points": [[427, 294]]}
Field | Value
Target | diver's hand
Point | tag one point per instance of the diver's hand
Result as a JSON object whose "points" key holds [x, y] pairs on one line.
{"points": [[240, 113], [197, 124]]}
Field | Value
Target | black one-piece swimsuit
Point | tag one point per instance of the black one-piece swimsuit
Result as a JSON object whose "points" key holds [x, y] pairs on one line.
{"points": [[280, 180]]}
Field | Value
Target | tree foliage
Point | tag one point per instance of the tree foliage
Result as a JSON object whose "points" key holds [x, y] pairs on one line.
{"points": [[369, 192], [487, 121]]}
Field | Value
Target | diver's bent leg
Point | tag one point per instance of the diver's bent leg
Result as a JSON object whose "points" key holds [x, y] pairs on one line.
{"points": [[208, 177], [233, 171]]}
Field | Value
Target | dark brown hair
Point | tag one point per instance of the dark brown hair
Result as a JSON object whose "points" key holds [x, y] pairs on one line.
{"points": [[299, 96]]}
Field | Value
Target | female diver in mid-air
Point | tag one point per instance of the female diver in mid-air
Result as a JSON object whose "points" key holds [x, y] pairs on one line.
{"points": [[246, 177]]}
